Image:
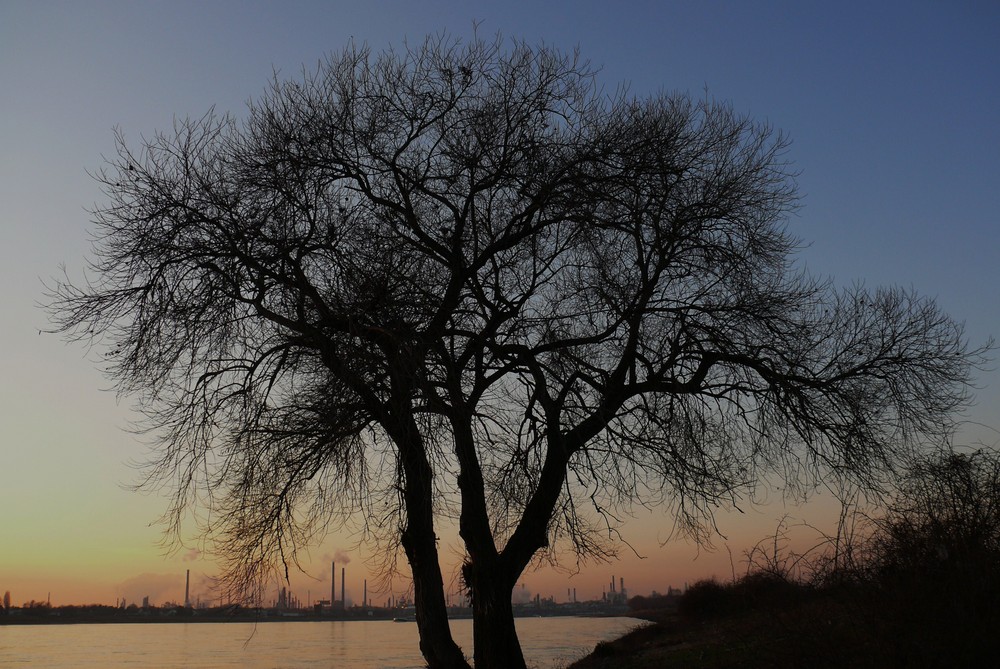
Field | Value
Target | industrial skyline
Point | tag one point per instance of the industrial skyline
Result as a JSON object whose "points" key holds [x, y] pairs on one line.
{"points": [[281, 595]]}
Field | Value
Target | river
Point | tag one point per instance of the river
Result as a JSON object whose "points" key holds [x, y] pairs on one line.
{"points": [[548, 643]]}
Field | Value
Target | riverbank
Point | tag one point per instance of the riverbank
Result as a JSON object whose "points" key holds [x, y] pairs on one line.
{"points": [[668, 642], [751, 641], [810, 634], [824, 630]]}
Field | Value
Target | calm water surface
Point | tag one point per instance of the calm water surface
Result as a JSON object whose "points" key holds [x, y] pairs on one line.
{"points": [[548, 643]]}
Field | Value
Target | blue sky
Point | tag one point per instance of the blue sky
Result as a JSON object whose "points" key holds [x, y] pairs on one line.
{"points": [[892, 108]]}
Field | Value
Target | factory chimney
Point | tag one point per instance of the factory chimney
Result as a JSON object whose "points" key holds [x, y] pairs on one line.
{"points": [[621, 585], [343, 600], [187, 590], [333, 585], [364, 602]]}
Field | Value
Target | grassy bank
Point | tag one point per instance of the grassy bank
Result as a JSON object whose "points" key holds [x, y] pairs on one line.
{"points": [[917, 585], [805, 628]]}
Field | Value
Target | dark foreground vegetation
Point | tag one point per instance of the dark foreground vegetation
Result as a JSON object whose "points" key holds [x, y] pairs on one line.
{"points": [[916, 586]]}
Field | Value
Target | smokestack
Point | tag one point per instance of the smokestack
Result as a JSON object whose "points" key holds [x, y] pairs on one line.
{"points": [[343, 600], [364, 602], [187, 591], [621, 585], [333, 584], [574, 595]]}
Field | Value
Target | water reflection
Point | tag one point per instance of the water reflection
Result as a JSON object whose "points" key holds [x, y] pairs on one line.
{"points": [[548, 643]]}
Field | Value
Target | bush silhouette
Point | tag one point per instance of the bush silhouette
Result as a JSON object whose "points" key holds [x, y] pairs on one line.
{"points": [[919, 587]]}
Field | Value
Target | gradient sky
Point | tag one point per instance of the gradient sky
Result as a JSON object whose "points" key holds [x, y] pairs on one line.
{"points": [[893, 109]]}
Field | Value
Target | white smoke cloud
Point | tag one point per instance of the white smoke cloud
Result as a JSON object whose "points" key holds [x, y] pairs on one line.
{"points": [[160, 588], [521, 595], [340, 557], [191, 556]]}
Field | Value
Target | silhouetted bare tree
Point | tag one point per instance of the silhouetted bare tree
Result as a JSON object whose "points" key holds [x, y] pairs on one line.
{"points": [[464, 282]]}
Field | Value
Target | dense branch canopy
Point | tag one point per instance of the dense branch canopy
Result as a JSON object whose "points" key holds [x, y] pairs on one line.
{"points": [[566, 302]]}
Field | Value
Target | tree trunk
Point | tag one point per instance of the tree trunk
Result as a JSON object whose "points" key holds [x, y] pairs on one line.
{"points": [[436, 643], [495, 642], [420, 544]]}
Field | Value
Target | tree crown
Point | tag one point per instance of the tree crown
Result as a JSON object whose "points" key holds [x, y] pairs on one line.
{"points": [[562, 301]]}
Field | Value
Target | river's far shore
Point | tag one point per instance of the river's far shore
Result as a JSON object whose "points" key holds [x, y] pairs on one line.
{"points": [[97, 615]]}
